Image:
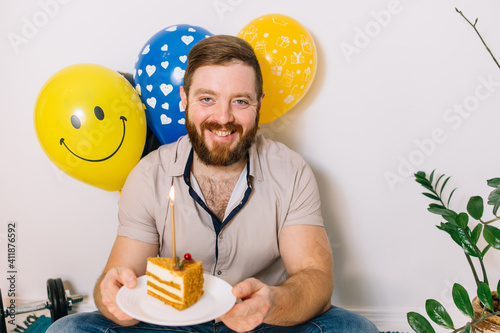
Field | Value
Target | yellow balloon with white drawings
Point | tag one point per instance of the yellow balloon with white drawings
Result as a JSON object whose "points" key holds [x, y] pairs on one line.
{"points": [[287, 57]]}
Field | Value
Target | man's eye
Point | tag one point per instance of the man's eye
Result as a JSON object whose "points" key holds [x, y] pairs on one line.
{"points": [[241, 103], [206, 100]]}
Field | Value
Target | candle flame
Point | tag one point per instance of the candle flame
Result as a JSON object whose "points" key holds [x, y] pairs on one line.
{"points": [[171, 194]]}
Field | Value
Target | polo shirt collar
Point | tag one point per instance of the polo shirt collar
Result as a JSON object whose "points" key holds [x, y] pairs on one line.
{"points": [[182, 153]]}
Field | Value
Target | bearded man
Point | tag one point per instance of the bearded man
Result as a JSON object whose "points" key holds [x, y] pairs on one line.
{"points": [[247, 207]]}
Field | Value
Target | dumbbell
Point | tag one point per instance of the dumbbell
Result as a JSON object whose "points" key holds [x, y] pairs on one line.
{"points": [[58, 303]]}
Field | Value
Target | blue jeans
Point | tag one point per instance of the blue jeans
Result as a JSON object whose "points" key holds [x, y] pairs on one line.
{"points": [[335, 320]]}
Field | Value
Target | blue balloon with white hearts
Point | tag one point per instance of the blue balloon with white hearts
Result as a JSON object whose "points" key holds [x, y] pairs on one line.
{"points": [[159, 73]]}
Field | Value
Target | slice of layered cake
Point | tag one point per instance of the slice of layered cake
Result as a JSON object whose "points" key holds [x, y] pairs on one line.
{"points": [[176, 283]]}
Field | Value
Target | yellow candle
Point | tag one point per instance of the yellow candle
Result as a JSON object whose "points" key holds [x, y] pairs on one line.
{"points": [[172, 219]]}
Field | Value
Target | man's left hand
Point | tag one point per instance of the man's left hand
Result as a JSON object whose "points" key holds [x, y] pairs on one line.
{"points": [[256, 303]]}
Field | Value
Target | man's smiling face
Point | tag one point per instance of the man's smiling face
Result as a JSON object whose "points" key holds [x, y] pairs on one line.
{"points": [[221, 112]]}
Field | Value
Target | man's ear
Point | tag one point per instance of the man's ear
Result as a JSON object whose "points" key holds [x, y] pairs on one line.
{"points": [[260, 102], [183, 97]]}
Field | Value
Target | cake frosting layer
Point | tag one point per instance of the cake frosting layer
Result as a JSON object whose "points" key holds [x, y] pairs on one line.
{"points": [[162, 294]]}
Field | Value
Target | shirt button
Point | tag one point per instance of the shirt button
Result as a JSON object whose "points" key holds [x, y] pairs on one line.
{"points": [[221, 236], [219, 272]]}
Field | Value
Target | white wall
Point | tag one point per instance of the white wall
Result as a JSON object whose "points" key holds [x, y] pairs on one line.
{"points": [[368, 115]]}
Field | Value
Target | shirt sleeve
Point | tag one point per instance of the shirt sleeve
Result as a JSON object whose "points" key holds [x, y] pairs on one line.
{"points": [[136, 206], [305, 203]]}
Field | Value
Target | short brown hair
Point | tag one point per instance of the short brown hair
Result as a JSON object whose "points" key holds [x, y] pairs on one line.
{"points": [[222, 50]]}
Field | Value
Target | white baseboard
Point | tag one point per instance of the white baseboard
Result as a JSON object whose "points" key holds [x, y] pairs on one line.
{"points": [[386, 320], [394, 319]]}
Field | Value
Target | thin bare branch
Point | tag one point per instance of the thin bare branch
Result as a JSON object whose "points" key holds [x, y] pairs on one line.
{"points": [[473, 25]]}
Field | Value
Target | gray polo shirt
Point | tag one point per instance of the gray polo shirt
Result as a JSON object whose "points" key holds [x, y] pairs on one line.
{"points": [[276, 189]]}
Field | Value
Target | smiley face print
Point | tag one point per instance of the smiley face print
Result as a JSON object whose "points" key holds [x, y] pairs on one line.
{"points": [[77, 123]]}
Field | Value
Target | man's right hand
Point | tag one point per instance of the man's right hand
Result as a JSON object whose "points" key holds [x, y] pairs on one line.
{"points": [[112, 281], [127, 260]]}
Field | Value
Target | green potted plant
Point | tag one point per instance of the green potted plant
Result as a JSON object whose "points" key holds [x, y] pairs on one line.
{"points": [[484, 311], [468, 230]]}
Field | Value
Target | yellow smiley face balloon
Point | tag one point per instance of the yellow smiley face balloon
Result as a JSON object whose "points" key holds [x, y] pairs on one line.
{"points": [[287, 58], [91, 124]]}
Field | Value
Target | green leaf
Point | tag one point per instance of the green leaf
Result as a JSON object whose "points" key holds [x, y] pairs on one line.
{"points": [[476, 233], [492, 235], [438, 313], [462, 220], [450, 218], [494, 182], [475, 207], [467, 246], [442, 187], [462, 300], [446, 213], [467, 328], [495, 208], [493, 197], [484, 295], [485, 250], [494, 200], [425, 183], [431, 177], [421, 177], [449, 198], [432, 196], [418, 323], [498, 287], [420, 174], [450, 228], [438, 180], [460, 237]]}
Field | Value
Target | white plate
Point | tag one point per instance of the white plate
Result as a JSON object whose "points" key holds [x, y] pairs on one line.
{"points": [[216, 300]]}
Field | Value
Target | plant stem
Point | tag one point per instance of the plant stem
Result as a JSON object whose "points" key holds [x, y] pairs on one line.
{"points": [[481, 262], [471, 264], [479, 257], [473, 25], [490, 221], [484, 271]]}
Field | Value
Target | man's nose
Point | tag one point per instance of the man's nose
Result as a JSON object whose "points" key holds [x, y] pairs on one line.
{"points": [[223, 113]]}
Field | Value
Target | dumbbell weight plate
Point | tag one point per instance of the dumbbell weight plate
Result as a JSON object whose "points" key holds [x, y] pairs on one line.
{"points": [[53, 299], [57, 299], [63, 310]]}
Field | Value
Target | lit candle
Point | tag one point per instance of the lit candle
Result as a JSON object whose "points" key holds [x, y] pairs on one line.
{"points": [[172, 219]]}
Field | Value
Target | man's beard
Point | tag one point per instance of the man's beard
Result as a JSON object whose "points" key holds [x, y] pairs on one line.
{"points": [[221, 154]]}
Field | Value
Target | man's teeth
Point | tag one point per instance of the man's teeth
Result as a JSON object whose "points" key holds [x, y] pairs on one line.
{"points": [[222, 133]]}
